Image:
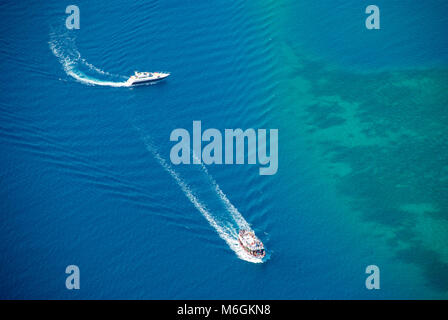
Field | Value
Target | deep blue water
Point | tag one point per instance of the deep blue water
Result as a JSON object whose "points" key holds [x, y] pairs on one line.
{"points": [[82, 172]]}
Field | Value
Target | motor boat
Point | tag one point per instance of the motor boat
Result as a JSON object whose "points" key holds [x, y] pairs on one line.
{"points": [[253, 246], [146, 77]]}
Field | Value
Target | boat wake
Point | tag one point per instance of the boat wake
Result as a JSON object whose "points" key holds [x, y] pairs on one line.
{"points": [[64, 48], [220, 213], [226, 220]]}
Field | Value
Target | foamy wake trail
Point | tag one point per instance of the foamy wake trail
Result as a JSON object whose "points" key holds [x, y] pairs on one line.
{"points": [[226, 231], [225, 218], [64, 48], [237, 216]]}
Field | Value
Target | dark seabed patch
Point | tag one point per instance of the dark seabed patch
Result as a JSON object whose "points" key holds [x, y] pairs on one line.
{"points": [[381, 138]]}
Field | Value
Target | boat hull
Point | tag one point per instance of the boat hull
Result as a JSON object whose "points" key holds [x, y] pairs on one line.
{"points": [[134, 83]]}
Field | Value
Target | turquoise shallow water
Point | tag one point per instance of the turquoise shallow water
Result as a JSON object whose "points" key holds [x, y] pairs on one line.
{"points": [[85, 171]]}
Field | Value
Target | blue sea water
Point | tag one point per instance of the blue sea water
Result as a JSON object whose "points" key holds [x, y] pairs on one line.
{"points": [[85, 171], [411, 34]]}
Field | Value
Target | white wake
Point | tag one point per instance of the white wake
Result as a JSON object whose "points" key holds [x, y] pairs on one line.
{"points": [[226, 221], [64, 48], [228, 226], [237, 216]]}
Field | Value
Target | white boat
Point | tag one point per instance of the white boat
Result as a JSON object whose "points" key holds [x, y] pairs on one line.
{"points": [[253, 246], [146, 77]]}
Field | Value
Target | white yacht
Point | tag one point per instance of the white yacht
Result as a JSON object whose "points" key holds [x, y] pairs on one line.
{"points": [[146, 77]]}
